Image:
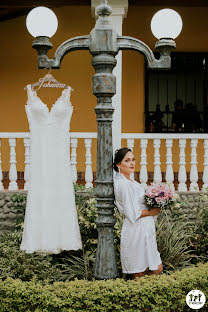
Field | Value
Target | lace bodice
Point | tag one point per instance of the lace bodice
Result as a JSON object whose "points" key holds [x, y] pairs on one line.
{"points": [[39, 111]]}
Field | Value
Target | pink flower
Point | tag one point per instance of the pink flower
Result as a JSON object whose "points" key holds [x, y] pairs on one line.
{"points": [[159, 194]]}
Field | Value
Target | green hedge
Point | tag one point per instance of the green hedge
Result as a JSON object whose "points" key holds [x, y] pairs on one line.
{"points": [[152, 293]]}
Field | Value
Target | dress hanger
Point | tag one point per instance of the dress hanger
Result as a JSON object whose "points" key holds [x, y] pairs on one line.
{"points": [[48, 81]]}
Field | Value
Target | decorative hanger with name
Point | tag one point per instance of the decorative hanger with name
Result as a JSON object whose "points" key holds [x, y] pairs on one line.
{"points": [[48, 81]]}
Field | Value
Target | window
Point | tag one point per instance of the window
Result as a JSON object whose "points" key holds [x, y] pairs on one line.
{"points": [[185, 84]]}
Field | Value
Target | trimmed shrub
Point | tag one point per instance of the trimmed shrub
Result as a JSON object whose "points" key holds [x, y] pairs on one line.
{"points": [[164, 293], [17, 264]]}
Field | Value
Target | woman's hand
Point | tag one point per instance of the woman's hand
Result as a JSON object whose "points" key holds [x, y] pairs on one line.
{"points": [[151, 212], [154, 211]]}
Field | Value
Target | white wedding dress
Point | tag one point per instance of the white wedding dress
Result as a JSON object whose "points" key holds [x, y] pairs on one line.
{"points": [[51, 223]]}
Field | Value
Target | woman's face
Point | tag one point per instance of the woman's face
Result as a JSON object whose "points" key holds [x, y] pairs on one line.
{"points": [[127, 165]]}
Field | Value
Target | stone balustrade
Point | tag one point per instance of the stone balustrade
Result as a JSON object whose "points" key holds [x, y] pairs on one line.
{"points": [[163, 155], [181, 140]]}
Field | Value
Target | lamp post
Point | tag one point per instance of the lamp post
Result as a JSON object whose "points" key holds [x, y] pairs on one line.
{"points": [[103, 43]]}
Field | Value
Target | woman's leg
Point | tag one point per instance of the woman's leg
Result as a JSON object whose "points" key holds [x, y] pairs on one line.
{"points": [[140, 274], [157, 272]]}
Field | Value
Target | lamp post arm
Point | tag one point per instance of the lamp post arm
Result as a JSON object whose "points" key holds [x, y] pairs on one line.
{"points": [[164, 46], [42, 45], [73, 44]]}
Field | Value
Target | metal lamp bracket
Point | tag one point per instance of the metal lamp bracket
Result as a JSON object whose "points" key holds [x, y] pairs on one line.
{"points": [[42, 45], [164, 46]]}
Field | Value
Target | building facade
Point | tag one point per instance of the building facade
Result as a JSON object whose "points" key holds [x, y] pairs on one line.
{"points": [[139, 91]]}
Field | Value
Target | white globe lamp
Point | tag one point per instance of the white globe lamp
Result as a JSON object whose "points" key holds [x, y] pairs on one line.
{"points": [[41, 21], [167, 24]]}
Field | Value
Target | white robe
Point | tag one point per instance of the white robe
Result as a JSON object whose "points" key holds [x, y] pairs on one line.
{"points": [[138, 235]]}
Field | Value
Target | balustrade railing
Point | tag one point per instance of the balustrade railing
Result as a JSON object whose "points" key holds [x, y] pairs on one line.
{"points": [[74, 137], [182, 139], [155, 152]]}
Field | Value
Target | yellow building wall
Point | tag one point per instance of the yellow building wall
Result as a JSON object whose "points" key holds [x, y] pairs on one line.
{"points": [[19, 68]]}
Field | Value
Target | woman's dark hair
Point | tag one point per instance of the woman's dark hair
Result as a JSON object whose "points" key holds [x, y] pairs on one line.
{"points": [[119, 156]]}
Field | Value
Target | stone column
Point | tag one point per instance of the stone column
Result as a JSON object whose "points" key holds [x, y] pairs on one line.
{"points": [[119, 11], [103, 47]]}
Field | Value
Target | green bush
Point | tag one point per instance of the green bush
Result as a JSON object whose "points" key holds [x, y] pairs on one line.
{"points": [[80, 264], [87, 213], [185, 242], [17, 264], [173, 241], [164, 293], [200, 238]]}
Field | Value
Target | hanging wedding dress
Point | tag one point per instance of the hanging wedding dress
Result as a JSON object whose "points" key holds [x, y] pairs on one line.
{"points": [[51, 223]]}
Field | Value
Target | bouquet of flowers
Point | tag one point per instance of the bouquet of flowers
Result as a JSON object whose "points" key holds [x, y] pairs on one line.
{"points": [[159, 195]]}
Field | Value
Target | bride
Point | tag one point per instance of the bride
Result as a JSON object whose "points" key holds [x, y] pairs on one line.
{"points": [[139, 254]]}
